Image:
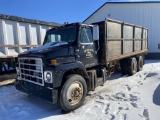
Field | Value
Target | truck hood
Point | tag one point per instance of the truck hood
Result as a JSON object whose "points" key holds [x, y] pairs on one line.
{"points": [[46, 47], [50, 50]]}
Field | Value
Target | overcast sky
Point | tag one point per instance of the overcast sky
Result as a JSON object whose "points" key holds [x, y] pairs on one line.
{"points": [[58, 11]]}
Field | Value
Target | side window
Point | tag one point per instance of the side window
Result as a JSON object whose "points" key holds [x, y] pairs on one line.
{"points": [[86, 35]]}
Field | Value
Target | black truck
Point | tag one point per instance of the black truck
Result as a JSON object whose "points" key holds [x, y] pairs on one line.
{"points": [[76, 58]]}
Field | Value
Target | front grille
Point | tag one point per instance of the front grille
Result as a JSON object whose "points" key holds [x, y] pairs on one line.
{"points": [[31, 70]]}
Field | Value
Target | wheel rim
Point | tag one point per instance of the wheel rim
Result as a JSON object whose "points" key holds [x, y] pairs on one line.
{"points": [[134, 66], [74, 93]]}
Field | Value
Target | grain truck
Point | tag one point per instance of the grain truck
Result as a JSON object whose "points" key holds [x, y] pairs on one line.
{"points": [[17, 35], [76, 58]]}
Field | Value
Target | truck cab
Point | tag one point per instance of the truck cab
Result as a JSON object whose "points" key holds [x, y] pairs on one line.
{"points": [[78, 38]]}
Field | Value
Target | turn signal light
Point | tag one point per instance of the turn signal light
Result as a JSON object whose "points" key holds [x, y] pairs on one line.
{"points": [[54, 62]]}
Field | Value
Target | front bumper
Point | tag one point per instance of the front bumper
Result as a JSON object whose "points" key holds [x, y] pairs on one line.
{"points": [[46, 93]]}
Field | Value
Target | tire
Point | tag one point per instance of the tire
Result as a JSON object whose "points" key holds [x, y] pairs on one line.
{"points": [[73, 93], [140, 63], [123, 67], [131, 66]]}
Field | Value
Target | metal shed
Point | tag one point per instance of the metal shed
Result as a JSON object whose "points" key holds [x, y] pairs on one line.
{"points": [[145, 14]]}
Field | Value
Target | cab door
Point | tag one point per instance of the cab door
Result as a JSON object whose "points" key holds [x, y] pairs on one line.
{"points": [[87, 51]]}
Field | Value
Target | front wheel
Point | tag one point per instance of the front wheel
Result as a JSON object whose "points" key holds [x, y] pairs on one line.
{"points": [[73, 92]]}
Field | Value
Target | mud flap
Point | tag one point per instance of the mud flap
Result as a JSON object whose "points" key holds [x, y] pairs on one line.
{"points": [[94, 80]]}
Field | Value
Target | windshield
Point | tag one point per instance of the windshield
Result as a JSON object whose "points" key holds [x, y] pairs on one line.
{"points": [[67, 34]]}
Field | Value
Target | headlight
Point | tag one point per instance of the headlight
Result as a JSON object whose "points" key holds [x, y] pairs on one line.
{"points": [[48, 77]]}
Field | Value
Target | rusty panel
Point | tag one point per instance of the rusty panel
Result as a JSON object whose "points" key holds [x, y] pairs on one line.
{"points": [[114, 30], [114, 48], [137, 46], [128, 46], [138, 33], [128, 32], [117, 40]]}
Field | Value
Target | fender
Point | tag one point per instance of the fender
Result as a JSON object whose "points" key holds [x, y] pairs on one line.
{"points": [[60, 70]]}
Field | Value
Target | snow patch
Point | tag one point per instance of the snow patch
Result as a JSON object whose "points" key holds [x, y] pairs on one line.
{"points": [[120, 98]]}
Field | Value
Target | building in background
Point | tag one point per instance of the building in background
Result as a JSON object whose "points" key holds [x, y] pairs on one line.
{"points": [[140, 13]]}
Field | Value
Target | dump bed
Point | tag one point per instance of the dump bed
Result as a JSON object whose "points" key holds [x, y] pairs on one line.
{"points": [[120, 40]]}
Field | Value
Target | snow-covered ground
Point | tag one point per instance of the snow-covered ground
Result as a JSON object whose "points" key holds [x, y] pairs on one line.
{"points": [[134, 97]]}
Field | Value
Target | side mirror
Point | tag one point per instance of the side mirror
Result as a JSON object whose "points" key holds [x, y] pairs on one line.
{"points": [[95, 32]]}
